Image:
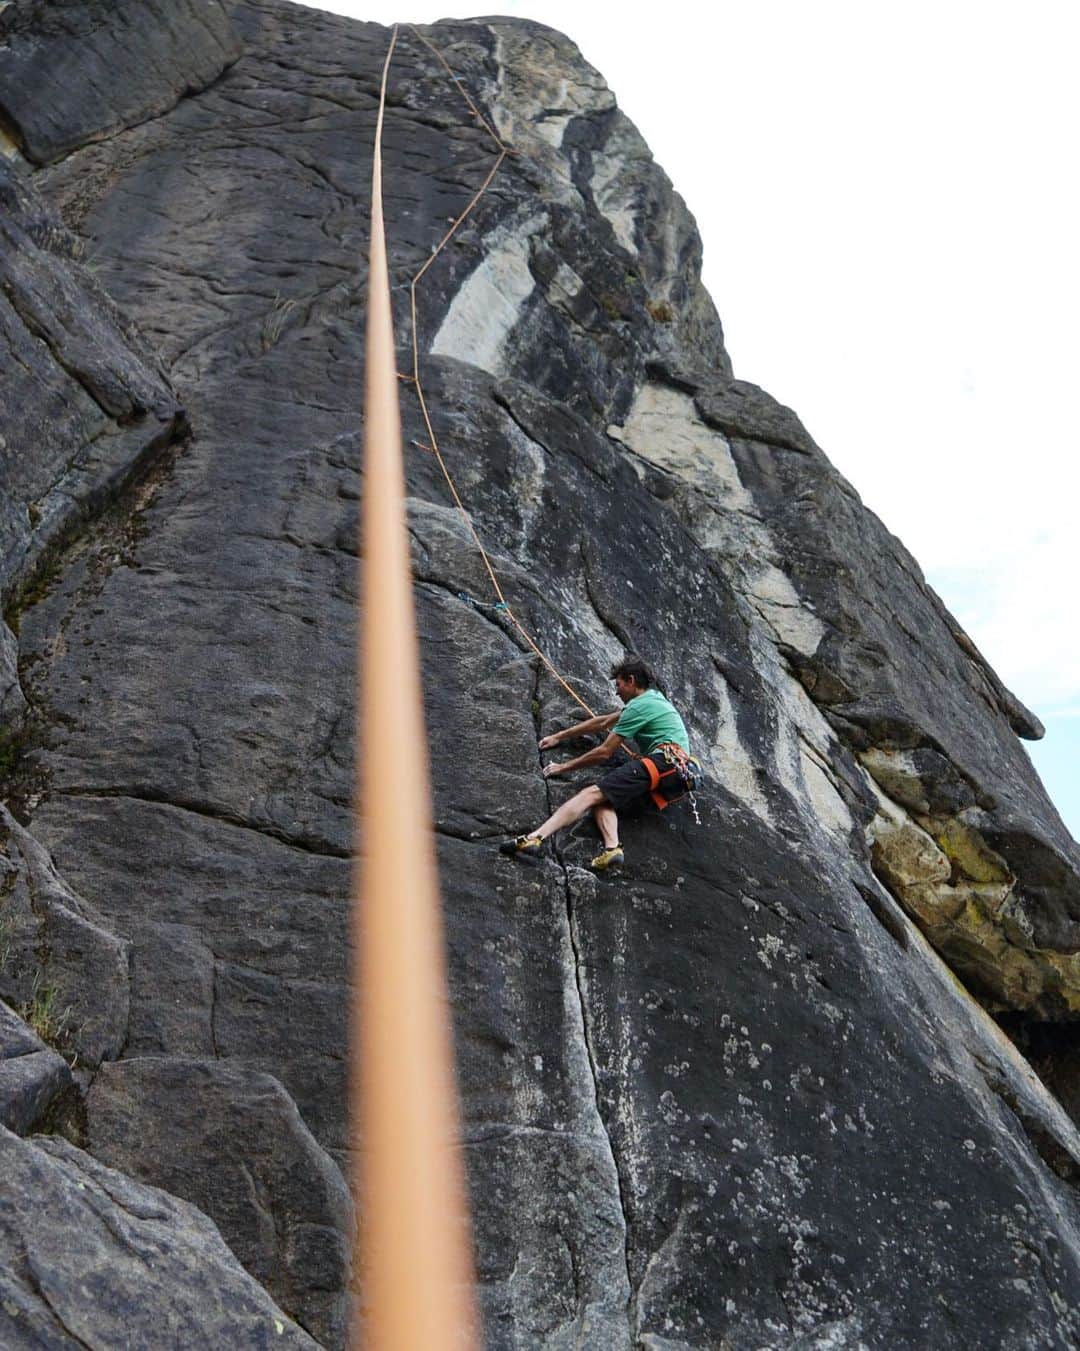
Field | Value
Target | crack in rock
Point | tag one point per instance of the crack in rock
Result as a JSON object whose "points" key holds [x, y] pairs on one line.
{"points": [[571, 928]]}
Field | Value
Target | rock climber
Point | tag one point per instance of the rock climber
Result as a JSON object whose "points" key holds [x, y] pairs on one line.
{"points": [[663, 771]]}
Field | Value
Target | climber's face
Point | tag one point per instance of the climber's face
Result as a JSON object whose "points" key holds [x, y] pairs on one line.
{"points": [[626, 687]]}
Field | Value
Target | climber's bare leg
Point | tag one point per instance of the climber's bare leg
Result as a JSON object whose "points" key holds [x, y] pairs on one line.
{"points": [[607, 823], [572, 810]]}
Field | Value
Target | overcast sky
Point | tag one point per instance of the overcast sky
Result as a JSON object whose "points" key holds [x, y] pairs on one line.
{"points": [[887, 200]]}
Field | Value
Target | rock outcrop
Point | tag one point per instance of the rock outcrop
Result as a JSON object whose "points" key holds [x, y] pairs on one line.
{"points": [[737, 1096], [90, 1258], [32, 1076], [86, 406], [232, 1141], [60, 81]]}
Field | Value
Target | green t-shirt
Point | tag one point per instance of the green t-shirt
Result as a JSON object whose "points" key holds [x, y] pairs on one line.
{"points": [[650, 720]]}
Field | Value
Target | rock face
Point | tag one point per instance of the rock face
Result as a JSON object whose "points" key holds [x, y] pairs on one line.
{"points": [[61, 84], [90, 1258], [59, 956], [735, 1097], [31, 1075], [232, 1141], [79, 388]]}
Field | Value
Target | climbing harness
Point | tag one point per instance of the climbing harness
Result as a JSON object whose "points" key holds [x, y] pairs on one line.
{"points": [[681, 766]]}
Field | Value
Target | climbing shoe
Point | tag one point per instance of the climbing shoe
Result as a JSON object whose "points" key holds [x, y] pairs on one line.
{"points": [[524, 847], [607, 858]]}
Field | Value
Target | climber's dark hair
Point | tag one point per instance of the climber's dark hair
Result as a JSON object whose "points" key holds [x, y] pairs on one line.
{"points": [[633, 668]]}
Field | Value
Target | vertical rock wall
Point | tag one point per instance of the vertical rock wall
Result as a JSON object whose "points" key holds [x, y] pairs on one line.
{"points": [[732, 1097]]}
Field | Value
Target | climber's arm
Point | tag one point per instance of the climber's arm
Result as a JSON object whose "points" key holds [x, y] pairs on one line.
{"points": [[600, 723], [594, 757]]}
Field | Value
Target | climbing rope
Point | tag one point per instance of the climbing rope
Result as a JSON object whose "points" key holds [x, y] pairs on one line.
{"points": [[413, 1259], [503, 152]]}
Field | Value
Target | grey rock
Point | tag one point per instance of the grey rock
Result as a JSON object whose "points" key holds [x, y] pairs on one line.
{"points": [[79, 389], [242, 953], [550, 1228], [231, 1142], [90, 1258], [742, 410], [733, 1097], [847, 610], [593, 173], [60, 65], [12, 699], [32, 1076], [59, 954]]}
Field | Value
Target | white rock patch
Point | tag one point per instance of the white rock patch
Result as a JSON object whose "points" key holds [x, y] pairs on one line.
{"points": [[663, 427], [778, 603], [565, 285], [740, 776], [482, 315], [805, 744], [611, 197], [829, 807], [540, 90]]}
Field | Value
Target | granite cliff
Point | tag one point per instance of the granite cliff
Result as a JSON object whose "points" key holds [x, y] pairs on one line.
{"points": [[754, 1092]]}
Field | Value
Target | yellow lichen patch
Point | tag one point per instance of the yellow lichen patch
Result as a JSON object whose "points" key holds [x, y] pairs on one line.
{"points": [[988, 896], [960, 893], [904, 854], [978, 949], [1067, 966], [968, 852]]}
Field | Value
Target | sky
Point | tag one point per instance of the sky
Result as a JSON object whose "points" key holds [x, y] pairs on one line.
{"points": [[887, 205]]}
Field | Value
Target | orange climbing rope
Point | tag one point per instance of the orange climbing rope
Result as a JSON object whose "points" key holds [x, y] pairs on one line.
{"points": [[414, 1265], [503, 152]]}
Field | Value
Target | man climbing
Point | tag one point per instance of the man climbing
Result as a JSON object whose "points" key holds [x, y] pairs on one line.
{"points": [[663, 771]]}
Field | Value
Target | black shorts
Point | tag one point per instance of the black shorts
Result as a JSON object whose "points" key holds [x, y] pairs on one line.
{"points": [[626, 784]]}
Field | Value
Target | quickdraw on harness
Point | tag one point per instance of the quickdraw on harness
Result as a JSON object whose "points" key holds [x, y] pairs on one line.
{"points": [[681, 766]]}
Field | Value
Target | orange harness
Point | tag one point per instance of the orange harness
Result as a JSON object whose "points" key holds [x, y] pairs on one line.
{"points": [[679, 763]]}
